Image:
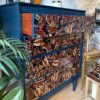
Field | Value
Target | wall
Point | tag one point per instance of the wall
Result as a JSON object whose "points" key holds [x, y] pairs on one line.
{"points": [[65, 3], [2, 2]]}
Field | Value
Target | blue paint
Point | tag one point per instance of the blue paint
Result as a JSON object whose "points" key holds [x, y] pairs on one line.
{"points": [[33, 34], [81, 54], [74, 84], [10, 18], [53, 52], [34, 79], [59, 87]]}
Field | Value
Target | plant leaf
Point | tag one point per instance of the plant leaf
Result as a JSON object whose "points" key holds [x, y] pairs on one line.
{"points": [[2, 36], [4, 82], [9, 64], [2, 43], [13, 80], [15, 94], [4, 69], [13, 65], [11, 47], [16, 43], [20, 54]]}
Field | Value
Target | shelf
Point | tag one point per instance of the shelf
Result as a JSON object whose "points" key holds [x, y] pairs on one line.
{"points": [[53, 52], [13, 28], [59, 87], [34, 79]]}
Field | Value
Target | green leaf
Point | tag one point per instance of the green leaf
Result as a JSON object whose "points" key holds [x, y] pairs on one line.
{"points": [[9, 54], [25, 55], [2, 43], [16, 46], [13, 80], [20, 54], [1, 94], [11, 40], [15, 94], [2, 36], [9, 64], [4, 69], [4, 82], [7, 50], [11, 47], [16, 43]]}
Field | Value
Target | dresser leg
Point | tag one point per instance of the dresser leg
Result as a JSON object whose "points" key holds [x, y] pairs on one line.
{"points": [[74, 85]]}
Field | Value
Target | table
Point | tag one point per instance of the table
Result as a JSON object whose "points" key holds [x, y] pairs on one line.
{"points": [[87, 57]]}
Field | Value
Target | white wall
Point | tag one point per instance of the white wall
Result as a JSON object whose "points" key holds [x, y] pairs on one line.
{"points": [[65, 3], [2, 2]]}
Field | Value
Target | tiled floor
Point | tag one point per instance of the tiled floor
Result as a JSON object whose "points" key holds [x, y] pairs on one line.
{"points": [[68, 94]]}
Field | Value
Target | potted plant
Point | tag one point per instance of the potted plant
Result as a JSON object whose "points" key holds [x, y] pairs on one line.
{"points": [[13, 55]]}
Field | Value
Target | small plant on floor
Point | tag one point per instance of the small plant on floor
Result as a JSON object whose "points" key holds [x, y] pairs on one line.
{"points": [[13, 55]]}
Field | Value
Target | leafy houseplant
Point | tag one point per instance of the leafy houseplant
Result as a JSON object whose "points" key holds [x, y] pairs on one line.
{"points": [[13, 55]]}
